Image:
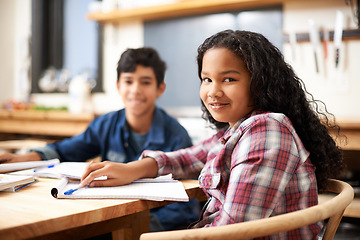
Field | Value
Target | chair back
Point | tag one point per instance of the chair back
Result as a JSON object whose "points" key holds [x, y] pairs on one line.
{"points": [[332, 209]]}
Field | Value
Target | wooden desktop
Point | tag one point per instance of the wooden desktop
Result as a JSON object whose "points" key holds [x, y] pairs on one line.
{"points": [[64, 124], [33, 212]]}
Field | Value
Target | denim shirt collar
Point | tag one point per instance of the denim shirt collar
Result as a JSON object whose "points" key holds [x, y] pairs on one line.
{"points": [[156, 134]]}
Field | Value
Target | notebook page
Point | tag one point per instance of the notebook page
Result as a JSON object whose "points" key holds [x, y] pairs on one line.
{"points": [[157, 191]]}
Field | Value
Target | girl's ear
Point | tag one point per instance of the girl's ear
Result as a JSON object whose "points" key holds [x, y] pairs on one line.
{"points": [[161, 89]]}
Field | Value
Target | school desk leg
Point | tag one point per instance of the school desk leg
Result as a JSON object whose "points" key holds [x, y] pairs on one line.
{"points": [[139, 223]]}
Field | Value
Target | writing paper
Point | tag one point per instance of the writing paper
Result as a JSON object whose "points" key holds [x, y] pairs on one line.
{"points": [[9, 181], [9, 167], [149, 190]]}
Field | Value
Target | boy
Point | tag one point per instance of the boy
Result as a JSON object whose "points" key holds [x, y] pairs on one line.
{"points": [[122, 135]]}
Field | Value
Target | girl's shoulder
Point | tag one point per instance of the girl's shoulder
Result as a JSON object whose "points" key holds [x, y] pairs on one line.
{"points": [[265, 119]]}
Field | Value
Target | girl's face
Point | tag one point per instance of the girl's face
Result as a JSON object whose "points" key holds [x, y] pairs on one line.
{"points": [[225, 86]]}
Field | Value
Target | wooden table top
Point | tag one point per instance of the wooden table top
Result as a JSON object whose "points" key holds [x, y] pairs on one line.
{"points": [[33, 211]]}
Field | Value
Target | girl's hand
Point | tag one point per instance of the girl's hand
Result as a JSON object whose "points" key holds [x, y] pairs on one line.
{"points": [[118, 173]]}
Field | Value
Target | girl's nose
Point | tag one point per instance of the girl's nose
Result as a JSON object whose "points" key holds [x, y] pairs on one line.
{"points": [[215, 90]]}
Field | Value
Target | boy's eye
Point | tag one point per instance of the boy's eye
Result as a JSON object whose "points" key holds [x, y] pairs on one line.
{"points": [[128, 81], [146, 82]]}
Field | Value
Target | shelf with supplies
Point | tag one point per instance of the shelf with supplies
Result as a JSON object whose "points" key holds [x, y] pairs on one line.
{"points": [[179, 9], [348, 34]]}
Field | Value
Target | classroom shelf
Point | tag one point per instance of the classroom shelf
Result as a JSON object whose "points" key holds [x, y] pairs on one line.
{"points": [[179, 9], [348, 34]]}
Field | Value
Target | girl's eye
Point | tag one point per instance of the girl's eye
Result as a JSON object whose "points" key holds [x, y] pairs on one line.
{"points": [[229, 80], [206, 80]]}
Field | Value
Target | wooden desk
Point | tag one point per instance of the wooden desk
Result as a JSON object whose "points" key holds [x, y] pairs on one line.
{"points": [[353, 210], [33, 213], [49, 123], [350, 127]]}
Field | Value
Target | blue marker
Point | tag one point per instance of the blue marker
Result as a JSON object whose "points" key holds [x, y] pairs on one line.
{"points": [[49, 166], [70, 191]]}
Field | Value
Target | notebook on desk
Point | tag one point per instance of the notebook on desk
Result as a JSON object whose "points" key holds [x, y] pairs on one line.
{"points": [[10, 167], [52, 169], [10, 182], [158, 189]]}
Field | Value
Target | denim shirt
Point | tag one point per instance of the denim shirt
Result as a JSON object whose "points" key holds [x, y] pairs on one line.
{"points": [[109, 136]]}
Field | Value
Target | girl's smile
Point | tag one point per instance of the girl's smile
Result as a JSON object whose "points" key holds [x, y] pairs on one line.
{"points": [[225, 86], [217, 105]]}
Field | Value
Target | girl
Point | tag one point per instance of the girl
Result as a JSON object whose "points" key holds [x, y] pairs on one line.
{"points": [[271, 154]]}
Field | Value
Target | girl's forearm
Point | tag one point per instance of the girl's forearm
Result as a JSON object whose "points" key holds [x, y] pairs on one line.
{"points": [[144, 168]]}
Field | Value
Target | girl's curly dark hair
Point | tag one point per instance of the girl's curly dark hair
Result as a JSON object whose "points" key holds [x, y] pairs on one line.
{"points": [[275, 87]]}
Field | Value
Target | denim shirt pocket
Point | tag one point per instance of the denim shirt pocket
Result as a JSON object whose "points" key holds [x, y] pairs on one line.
{"points": [[210, 181]]}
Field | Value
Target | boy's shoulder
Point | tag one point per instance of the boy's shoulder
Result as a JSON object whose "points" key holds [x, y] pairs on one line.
{"points": [[168, 120], [113, 116], [169, 123]]}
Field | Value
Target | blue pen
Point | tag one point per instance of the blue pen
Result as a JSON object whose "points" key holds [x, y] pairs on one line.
{"points": [[49, 166], [72, 190]]}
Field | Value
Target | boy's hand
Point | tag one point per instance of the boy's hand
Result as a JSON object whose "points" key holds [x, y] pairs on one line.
{"points": [[118, 173], [12, 157]]}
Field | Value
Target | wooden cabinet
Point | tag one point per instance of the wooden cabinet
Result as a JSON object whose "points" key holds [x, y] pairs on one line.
{"points": [[48, 123], [349, 127]]}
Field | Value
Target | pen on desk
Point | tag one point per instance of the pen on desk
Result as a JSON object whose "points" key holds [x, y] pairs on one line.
{"points": [[315, 41], [71, 191], [49, 166], [338, 32]]}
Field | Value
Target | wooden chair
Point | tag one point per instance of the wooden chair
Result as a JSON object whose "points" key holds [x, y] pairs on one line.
{"points": [[332, 210]]}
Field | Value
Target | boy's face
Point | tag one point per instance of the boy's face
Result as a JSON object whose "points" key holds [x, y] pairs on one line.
{"points": [[225, 86], [139, 90]]}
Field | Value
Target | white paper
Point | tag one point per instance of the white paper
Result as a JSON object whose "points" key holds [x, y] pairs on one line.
{"points": [[150, 189], [65, 169], [9, 167]]}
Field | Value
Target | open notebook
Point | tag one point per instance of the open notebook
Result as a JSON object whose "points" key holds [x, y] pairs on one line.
{"points": [[157, 189], [52, 169]]}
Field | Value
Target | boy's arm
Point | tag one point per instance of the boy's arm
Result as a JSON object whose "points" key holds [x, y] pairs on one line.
{"points": [[12, 157]]}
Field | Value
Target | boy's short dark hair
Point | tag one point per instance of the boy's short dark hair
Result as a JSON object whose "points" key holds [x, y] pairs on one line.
{"points": [[146, 56]]}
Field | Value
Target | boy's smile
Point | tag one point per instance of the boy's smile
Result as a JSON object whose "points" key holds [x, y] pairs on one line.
{"points": [[225, 86]]}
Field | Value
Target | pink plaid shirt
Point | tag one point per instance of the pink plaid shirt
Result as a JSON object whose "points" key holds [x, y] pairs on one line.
{"points": [[257, 169]]}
